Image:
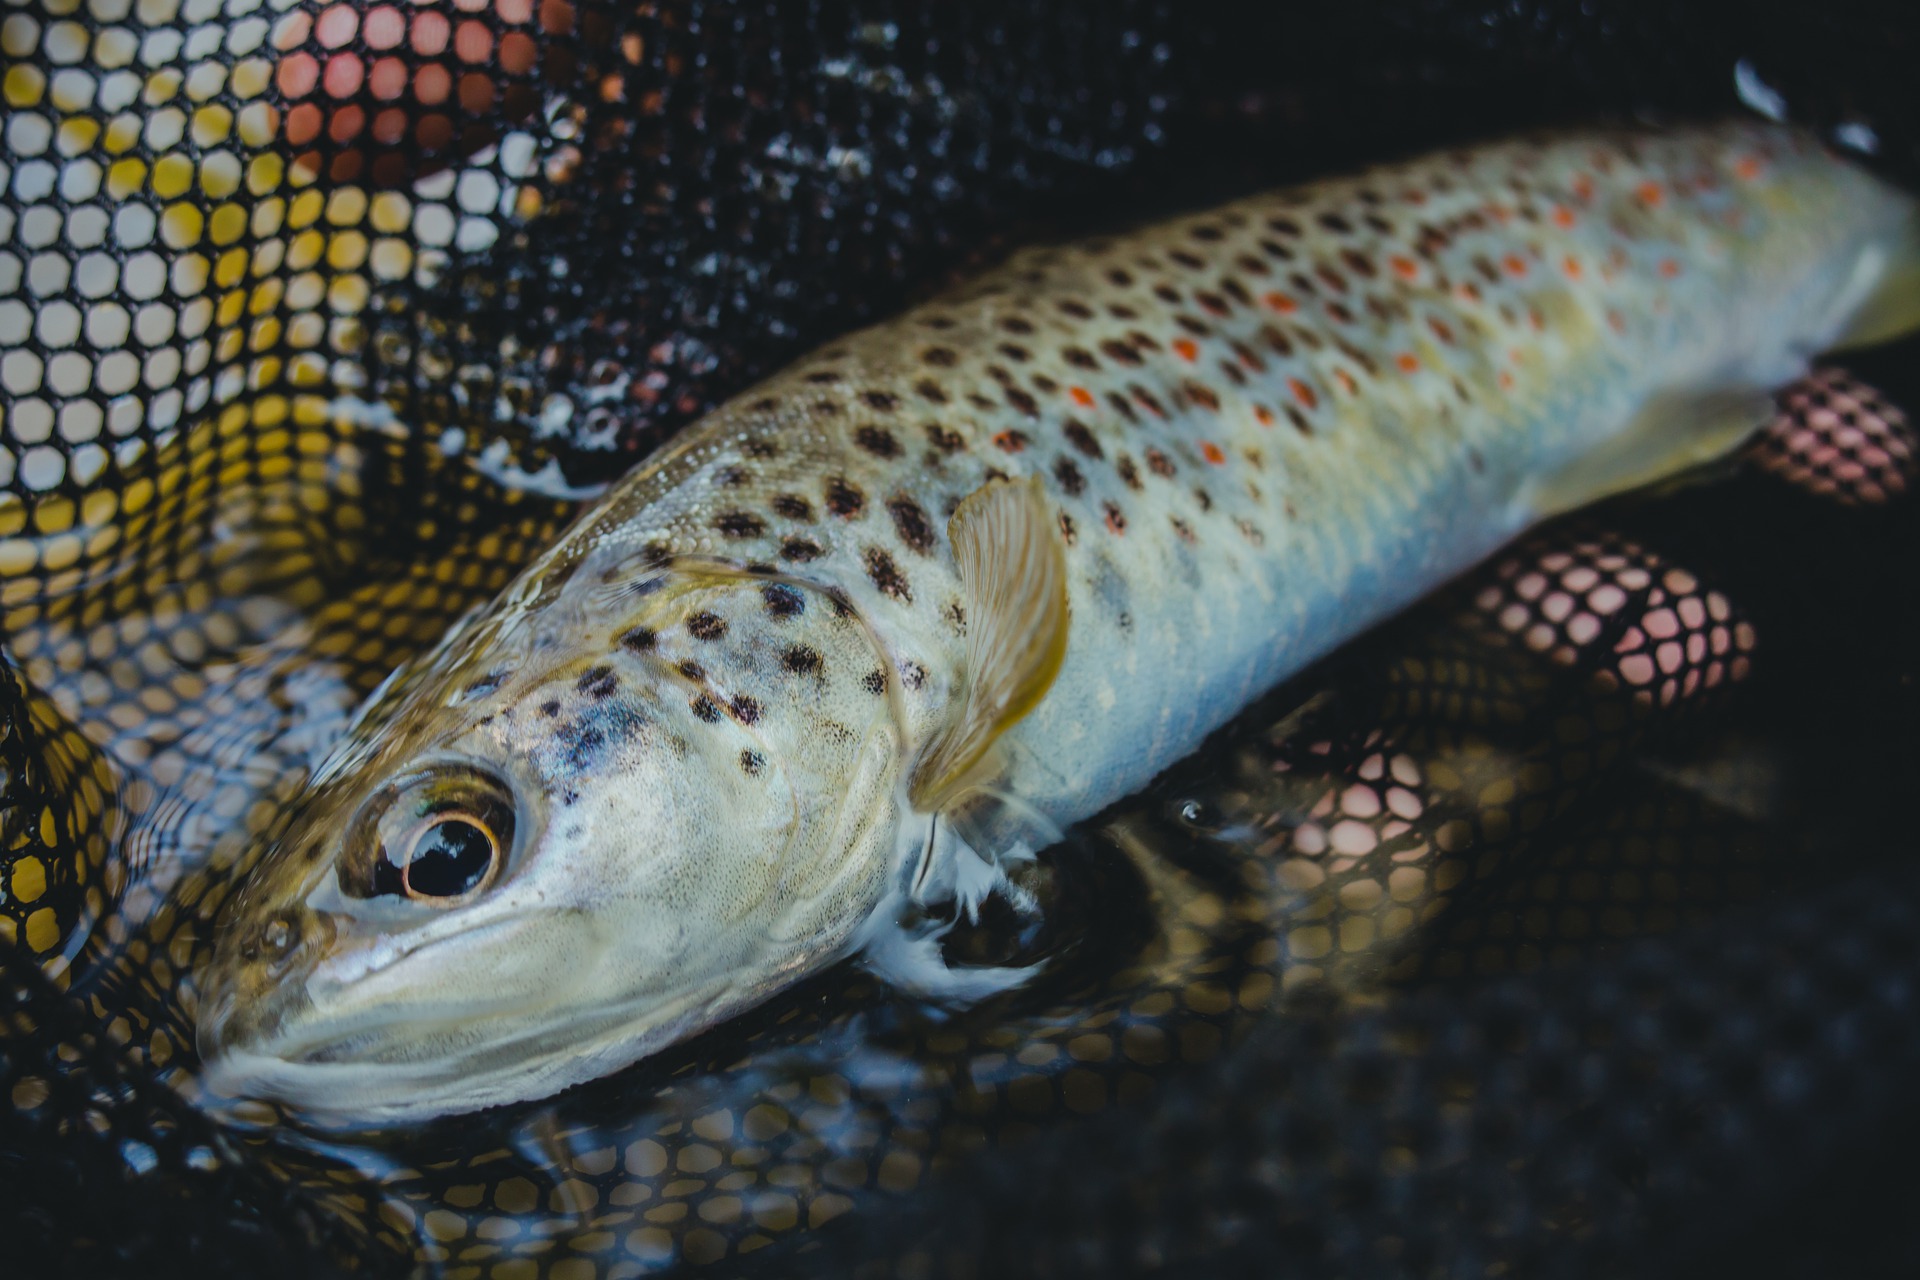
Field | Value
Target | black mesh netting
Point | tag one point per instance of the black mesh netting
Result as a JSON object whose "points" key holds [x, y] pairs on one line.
{"points": [[314, 319]]}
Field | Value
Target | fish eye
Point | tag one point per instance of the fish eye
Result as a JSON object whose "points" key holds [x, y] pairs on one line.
{"points": [[436, 839], [450, 858]]}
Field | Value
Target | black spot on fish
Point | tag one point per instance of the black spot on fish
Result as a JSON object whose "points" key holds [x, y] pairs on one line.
{"points": [[911, 523], [706, 626], [704, 708], [843, 499], [1083, 439], [752, 762], [886, 575], [877, 441], [842, 607], [945, 440], [639, 640], [550, 708], [792, 506], [1023, 402], [874, 682], [740, 524], [956, 617], [758, 448], [930, 391], [745, 709], [913, 675], [598, 682], [692, 670], [800, 660], [485, 684], [940, 357], [884, 401], [782, 600], [1069, 477], [799, 550], [733, 477]]}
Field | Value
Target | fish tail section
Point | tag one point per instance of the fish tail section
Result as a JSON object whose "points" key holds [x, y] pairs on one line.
{"points": [[1891, 305]]}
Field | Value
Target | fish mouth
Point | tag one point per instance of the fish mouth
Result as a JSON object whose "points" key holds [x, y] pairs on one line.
{"points": [[394, 1063], [343, 1080]]}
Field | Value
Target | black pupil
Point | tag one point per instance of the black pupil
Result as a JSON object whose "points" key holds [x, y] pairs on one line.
{"points": [[449, 858]]}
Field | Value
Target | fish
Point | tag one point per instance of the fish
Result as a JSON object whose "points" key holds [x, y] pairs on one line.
{"points": [[812, 678]]}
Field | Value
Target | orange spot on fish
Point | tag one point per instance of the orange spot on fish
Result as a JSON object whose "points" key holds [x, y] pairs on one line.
{"points": [[1346, 381], [1186, 350], [1282, 303], [1081, 396], [1506, 380], [1405, 268], [1650, 193], [1263, 415], [1563, 216], [1747, 168], [1408, 362], [1303, 393], [1571, 265], [1669, 267], [1515, 264], [1211, 452]]}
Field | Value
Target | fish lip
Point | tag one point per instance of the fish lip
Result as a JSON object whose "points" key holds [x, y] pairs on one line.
{"points": [[213, 1032], [359, 1095]]}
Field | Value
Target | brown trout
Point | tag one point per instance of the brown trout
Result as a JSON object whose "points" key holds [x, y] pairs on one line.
{"points": [[878, 626]]}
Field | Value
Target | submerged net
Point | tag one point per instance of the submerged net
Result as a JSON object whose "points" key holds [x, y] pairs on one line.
{"points": [[314, 320]]}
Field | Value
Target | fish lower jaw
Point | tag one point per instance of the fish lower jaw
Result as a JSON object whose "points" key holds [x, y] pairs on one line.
{"points": [[331, 1088]]}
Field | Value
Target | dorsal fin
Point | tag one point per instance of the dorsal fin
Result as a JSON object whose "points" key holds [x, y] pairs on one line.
{"points": [[1013, 570]]}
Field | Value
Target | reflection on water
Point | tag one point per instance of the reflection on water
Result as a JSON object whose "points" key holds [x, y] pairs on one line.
{"points": [[1555, 755]]}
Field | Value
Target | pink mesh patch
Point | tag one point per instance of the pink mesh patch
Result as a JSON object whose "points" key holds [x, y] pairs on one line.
{"points": [[1837, 437]]}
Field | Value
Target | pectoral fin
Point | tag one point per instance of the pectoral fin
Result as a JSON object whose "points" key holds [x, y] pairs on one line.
{"points": [[1013, 570], [1673, 435]]}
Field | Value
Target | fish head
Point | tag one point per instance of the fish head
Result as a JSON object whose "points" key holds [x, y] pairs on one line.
{"points": [[563, 854]]}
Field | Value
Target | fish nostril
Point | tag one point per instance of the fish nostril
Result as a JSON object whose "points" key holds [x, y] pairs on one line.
{"points": [[279, 939]]}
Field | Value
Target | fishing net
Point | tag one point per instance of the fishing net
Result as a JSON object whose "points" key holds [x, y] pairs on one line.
{"points": [[315, 320]]}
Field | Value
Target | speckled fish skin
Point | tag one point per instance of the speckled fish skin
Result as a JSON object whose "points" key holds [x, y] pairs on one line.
{"points": [[1260, 429]]}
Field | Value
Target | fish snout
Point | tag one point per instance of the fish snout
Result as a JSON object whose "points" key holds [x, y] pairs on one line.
{"points": [[255, 983]]}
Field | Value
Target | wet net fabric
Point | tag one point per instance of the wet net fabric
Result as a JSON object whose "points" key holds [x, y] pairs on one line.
{"points": [[315, 319]]}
